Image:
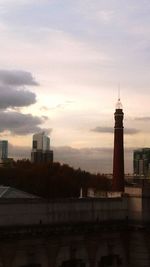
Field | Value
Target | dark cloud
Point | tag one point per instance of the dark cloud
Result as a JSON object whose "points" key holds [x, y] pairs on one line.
{"points": [[17, 78], [12, 98], [142, 118], [12, 89], [100, 129], [20, 124]]}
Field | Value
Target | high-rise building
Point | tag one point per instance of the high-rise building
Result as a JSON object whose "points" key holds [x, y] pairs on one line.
{"points": [[141, 162], [118, 158], [41, 148], [3, 149]]}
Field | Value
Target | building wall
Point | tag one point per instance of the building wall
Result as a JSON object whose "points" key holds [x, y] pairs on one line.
{"points": [[106, 247], [139, 203], [134, 203], [54, 251], [84, 232], [71, 211]]}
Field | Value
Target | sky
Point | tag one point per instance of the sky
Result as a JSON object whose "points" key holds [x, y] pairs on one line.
{"points": [[61, 63]]}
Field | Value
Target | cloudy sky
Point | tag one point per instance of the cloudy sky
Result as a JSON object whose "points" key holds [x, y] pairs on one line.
{"points": [[61, 62]]}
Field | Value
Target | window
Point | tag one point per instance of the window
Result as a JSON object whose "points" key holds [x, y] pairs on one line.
{"points": [[34, 144]]}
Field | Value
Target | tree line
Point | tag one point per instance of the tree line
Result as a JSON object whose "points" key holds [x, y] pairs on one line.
{"points": [[53, 180]]}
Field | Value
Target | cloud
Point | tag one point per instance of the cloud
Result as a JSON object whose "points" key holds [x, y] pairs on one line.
{"points": [[131, 131], [17, 78], [14, 95], [96, 159], [12, 91], [62, 105], [90, 159], [21, 124], [100, 129], [11, 98], [142, 118], [20, 3], [19, 152]]}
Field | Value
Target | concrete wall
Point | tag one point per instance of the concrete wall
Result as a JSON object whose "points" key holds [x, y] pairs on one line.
{"points": [[138, 203], [22, 212], [134, 196], [131, 246]]}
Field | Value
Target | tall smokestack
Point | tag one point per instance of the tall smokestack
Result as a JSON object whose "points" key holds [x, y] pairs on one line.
{"points": [[118, 159]]}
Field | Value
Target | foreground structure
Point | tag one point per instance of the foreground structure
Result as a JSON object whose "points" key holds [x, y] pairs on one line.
{"points": [[85, 232]]}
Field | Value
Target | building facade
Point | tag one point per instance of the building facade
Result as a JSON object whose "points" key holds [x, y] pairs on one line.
{"points": [[41, 148], [141, 162]]}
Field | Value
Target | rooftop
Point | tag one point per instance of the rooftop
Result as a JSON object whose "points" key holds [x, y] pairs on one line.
{"points": [[10, 192]]}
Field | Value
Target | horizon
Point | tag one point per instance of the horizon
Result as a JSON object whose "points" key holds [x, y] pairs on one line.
{"points": [[93, 160]]}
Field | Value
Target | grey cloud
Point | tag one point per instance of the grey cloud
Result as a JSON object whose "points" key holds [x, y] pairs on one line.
{"points": [[17, 78], [100, 129], [47, 131], [93, 160], [20, 124], [12, 89], [142, 118], [90, 159], [19, 152], [131, 131], [11, 98], [97, 159]]}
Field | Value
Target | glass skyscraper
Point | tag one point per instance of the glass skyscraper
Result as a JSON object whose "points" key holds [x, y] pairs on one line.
{"points": [[3, 149], [141, 162], [41, 148]]}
